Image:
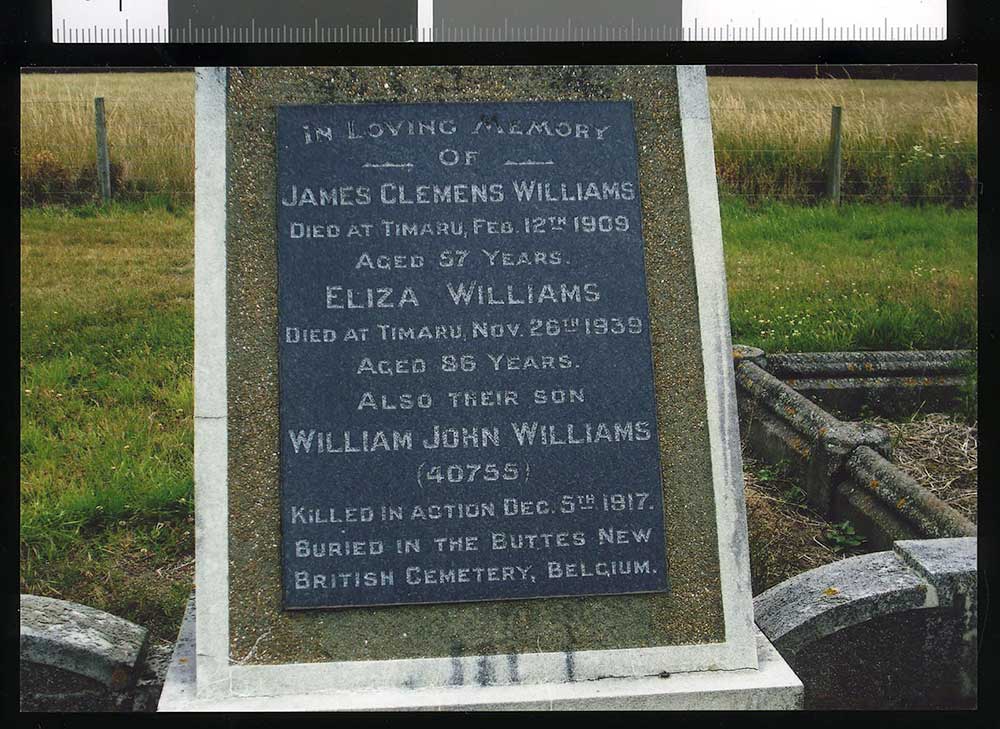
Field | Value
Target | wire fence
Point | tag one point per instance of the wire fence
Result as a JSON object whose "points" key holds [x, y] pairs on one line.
{"points": [[151, 150], [913, 174], [150, 141]]}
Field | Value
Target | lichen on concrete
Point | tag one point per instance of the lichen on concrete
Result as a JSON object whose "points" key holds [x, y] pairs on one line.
{"points": [[888, 630]]}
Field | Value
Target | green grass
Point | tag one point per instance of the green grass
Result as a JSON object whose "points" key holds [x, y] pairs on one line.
{"points": [[106, 407], [810, 279], [106, 359]]}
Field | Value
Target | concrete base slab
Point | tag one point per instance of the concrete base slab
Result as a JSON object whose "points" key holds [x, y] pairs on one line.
{"points": [[772, 686]]}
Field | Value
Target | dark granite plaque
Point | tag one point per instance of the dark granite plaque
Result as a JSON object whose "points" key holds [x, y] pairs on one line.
{"points": [[466, 386]]}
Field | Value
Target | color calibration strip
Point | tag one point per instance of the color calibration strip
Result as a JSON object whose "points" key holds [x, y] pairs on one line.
{"points": [[390, 21]]}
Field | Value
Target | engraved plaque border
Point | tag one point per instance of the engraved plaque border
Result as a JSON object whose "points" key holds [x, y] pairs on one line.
{"points": [[610, 111]]}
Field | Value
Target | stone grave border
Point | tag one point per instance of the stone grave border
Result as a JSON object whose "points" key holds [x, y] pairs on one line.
{"points": [[921, 597], [886, 383], [218, 678], [846, 466]]}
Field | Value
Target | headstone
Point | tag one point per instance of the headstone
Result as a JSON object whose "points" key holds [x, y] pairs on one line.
{"points": [[465, 418]]}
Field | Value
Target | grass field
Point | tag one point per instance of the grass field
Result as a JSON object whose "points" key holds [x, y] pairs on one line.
{"points": [[106, 409], [810, 279], [904, 141], [150, 119], [106, 357]]}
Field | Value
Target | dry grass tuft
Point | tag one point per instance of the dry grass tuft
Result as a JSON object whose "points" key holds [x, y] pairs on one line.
{"points": [[941, 453]]}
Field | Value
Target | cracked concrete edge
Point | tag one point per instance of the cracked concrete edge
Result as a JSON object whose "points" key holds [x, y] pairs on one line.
{"points": [[210, 244], [948, 564], [180, 685], [211, 408], [833, 365], [803, 415], [886, 383]]}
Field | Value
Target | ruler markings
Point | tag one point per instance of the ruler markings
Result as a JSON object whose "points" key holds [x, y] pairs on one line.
{"points": [[135, 23]]}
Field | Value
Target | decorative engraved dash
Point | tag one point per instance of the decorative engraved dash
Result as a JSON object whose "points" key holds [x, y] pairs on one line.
{"points": [[529, 162], [387, 165]]}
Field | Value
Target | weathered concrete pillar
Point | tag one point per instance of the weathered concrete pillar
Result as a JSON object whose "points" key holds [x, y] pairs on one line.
{"points": [[743, 353]]}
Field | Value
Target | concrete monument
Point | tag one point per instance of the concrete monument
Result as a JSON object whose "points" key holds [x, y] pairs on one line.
{"points": [[466, 429]]}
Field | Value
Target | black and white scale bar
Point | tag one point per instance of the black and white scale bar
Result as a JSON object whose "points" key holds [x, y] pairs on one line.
{"points": [[388, 21], [234, 21]]}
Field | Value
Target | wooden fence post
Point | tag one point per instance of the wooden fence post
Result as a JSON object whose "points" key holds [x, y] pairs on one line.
{"points": [[833, 168], [103, 160]]}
